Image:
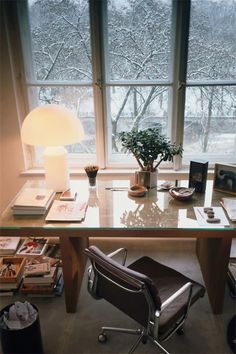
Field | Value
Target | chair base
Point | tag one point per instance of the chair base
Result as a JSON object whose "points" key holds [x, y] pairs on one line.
{"points": [[143, 337]]}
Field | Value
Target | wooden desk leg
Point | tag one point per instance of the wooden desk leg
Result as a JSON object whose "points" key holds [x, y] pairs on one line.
{"points": [[213, 255], [73, 263]]}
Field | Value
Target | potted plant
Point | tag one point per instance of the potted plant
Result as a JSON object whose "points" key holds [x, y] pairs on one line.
{"points": [[149, 148]]}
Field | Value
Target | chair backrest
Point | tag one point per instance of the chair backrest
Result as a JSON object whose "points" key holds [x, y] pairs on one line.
{"points": [[132, 292]]}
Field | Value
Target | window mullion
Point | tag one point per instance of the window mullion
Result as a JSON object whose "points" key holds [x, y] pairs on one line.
{"points": [[180, 33], [96, 23]]}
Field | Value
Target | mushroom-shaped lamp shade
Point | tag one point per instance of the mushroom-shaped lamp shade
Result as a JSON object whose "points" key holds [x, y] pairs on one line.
{"points": [[53, 126]]}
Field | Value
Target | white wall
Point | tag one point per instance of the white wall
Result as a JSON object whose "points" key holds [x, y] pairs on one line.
{"points": [[11, 155]]}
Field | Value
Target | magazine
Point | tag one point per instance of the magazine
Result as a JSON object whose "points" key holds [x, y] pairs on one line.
{"points": [[204, 221], [45, 279], [67, 211], [8, 245], [37, 269], [229, 204], [33, 246]]}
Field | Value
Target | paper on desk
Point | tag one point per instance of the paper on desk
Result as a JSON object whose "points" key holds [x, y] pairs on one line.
{"points": [[202, 217]]}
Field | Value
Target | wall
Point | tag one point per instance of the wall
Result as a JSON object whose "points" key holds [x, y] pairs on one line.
{"points": [[11, 155]]}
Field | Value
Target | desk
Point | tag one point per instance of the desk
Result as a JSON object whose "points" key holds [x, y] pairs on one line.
{"points": [[114, 214]]}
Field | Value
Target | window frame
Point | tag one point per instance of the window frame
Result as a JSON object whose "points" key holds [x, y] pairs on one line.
{"points": [[177, 83]]}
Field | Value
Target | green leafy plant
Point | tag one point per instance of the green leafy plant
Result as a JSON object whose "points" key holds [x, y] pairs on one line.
{"points": [[149, 147]]}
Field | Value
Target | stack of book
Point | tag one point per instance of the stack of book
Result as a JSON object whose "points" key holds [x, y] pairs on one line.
{"points": [[42, 279], [8, 245], [35, 201], [11, 274]]}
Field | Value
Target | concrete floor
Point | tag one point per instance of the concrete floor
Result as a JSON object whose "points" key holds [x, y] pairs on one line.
{"points": [[65, 333]]}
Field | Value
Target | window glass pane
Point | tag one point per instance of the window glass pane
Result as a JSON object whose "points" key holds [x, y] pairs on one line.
{"points": [[80, 101], [135, 107], [139, 39], [60, 39], [212, 41], [210, 121]]}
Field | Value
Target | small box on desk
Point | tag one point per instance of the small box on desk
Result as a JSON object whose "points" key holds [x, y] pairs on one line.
{"points": [[198, 175]]}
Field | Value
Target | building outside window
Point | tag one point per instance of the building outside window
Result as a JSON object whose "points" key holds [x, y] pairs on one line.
{"points": [[123, 64]]}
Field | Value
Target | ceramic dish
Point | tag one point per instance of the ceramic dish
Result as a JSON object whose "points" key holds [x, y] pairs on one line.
{"points": [[137, 191], [182, 193]]}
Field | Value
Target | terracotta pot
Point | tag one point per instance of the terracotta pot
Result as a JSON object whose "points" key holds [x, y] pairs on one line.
{"points": [[146, 178]]}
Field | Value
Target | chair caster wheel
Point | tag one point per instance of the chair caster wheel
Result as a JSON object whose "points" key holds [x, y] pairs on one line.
{"points": [[144, 339], [102, 337], [180, 331]]}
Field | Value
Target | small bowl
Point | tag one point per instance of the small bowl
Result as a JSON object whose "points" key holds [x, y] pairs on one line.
{"points": [[182, 193], [137, 191]]}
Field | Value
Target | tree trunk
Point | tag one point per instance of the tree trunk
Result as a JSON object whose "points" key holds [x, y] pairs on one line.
{"points": [[208, 122]]}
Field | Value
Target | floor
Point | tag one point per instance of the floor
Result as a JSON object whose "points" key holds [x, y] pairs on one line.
{"points": [[65, 333]]}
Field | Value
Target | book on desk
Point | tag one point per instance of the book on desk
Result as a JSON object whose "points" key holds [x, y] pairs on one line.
{"points": [[67, 211], [35, 201]]}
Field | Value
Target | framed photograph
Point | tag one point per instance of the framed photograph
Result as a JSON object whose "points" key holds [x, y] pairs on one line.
{"points": [[225, 178]]}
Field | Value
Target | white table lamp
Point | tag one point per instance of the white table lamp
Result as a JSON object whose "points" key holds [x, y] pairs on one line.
{"points": [[53, 126]]}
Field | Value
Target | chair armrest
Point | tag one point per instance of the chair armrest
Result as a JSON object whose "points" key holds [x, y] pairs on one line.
{"points": [[119, 250], [185, 287], [167, 302]]}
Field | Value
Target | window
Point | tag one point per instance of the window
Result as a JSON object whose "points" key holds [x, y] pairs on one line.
{"points": [[138, 47], [59, 63], [133, 63], [210, 107]]}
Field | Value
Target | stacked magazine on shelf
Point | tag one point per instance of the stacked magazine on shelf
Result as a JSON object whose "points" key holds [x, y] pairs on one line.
{"points": [[33, 201], [33, 246], [8, 245]]}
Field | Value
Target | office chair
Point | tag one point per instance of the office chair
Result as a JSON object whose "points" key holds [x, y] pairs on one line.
{"points": [[154, 295]]}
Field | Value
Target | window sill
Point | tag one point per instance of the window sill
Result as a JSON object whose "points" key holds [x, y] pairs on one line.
{"points": [[118, 173]]}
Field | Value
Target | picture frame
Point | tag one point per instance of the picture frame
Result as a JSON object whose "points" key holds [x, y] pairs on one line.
{"points": [[225, 178], [198, 175]]}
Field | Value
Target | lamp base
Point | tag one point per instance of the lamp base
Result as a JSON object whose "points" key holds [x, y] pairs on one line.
{"points": [[56, 168]]}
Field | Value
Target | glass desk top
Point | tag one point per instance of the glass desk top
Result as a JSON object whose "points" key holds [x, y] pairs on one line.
{"points": [[110, 207]]}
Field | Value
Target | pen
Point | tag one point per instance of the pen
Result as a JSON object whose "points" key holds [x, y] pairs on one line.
{"points": [[117, 188]]}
